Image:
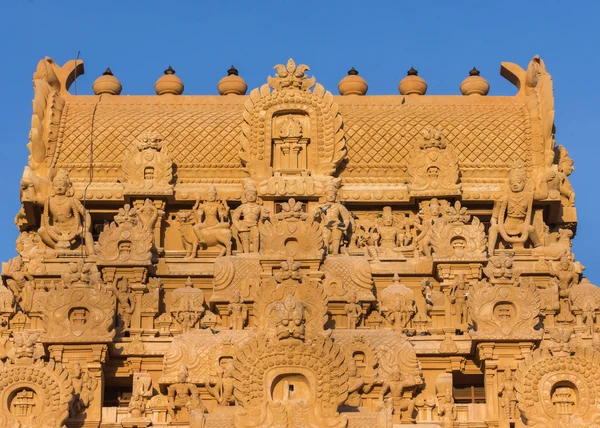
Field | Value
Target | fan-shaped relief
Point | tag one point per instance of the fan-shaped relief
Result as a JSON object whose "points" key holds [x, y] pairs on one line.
{"points": [[235, 274], [277, 383], [291, 131], [452, 236], [35, 396], [504, 310], [346, 276], [79, 314], [292, 233], [400, 357], [557, 390], [147, 167], [120, 244]]}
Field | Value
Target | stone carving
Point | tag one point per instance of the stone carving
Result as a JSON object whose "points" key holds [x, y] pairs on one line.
{"points": [[125, 302], [362, 369], [559, 245], [183, 395], [84, 385], [447, 408], [291, 233], [508, 393], [458, 298], [511, 219], [565, 169], [429, 213], [565, 277], [433, 170], [147, 168], [20, 283], [212, 222], [500, 269], [317, 131], [33, 393], [452, 237], [353, 311], [64, 219], [503, 310], [187, 305], [558, 390], [80, 312], [126, 240], [238, 312], [397, 304], [247, 218], [221, 386], [334, 217]]}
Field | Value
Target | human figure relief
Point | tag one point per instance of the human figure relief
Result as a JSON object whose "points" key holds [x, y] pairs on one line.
{"points": [[447, 408], [221, 386], [212, 222], [84, 386], [335, 218], [247, 217], [566, 277], [566, 166], [137, 405], [353, 311], [238, 311], [508, 392], [183, 395], [20, 282], [64, 218], [458, 298], [511, 217], [125, 300], [424, 221], [401, 405]]}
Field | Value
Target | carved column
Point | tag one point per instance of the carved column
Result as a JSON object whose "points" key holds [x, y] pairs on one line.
{"points": [[491, 389]]}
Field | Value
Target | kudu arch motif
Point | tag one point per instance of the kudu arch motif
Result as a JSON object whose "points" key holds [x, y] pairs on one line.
{"points": [[292, 258]]}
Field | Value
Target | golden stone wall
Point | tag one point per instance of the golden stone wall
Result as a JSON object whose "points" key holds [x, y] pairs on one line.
{"points": [[294, 259]]}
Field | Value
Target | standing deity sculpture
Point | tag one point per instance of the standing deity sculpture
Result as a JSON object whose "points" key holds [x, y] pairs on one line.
{"points": [[212, 221], [247, 218], [508, 392], [183, 395], [427, 216], [395, 385], [238, 312], [458, 298], [565, 276], [447, 408], [353, 311], [512, 214], [566, 166], [335, 218], [84, 386], [221, 386], [64, 218], [20, 282], [125, 302]]}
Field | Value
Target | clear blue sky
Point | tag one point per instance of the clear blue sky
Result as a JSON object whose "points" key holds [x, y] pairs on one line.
{"points": [[382, 39]]}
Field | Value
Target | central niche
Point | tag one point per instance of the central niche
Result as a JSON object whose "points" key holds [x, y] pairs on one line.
{"points": [[291, 387], [289, 152], [23, 404], [564, 398]]}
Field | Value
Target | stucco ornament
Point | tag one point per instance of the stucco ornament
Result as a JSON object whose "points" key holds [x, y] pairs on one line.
{"points": [[33, 393], [187, 305], [80, 312], [247, 219], [433, 169], [147, 168], [453, 237], [309, 144], [125, 241], [397, 304]]}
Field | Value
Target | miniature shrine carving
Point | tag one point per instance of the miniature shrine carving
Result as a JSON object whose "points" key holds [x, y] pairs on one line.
{"points": [[294, 258]]}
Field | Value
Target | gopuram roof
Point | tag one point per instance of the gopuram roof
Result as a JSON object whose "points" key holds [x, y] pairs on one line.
{"points": [[293, 258]]}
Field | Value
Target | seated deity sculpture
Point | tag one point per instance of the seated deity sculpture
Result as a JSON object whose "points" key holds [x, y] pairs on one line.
{"points": [[335, 218], [183, 395], [246, 219], [511, 217], [64, 218], [212, 222]]}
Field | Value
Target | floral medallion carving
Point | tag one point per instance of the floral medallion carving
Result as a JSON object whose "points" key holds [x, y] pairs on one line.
{"points": [[147, 168]]}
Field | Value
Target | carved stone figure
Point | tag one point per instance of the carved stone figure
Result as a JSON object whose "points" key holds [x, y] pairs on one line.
{"points": [[221, 386], [508, 391], [397, 303], [401, 406], [290, 318], [565, 276], [187, 305], [429, 213], [64, 219], [433, 169], [147, 168], [125, 302], [247, 218], [212, 222], [458, 297], [447, 408], [84, 385], [565, 169], [353, 311], [238, 312], [20, 282], [183, 395], [511, 218], [334, 217]]}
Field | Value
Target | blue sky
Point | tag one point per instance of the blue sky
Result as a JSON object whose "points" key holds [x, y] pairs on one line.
{"points": [[382, 39]]}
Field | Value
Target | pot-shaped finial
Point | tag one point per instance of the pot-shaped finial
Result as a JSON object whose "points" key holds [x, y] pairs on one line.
{"points": [[232, 84], [169, 83], [412, 84], [353, 84], [474, 84], [107, 83]]}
